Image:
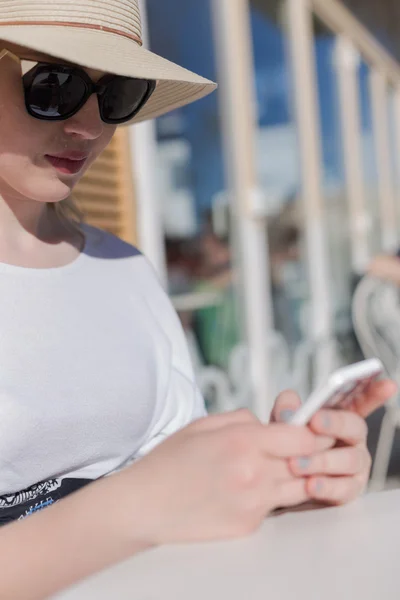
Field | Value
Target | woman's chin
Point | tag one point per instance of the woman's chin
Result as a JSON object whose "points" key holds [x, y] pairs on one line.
{"points": [[50, 191]]}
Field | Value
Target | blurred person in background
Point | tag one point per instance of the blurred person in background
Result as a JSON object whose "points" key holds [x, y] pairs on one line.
{"points": [[284, 254], [182, 264], [217, 326], [183, 259], [386, 267]]}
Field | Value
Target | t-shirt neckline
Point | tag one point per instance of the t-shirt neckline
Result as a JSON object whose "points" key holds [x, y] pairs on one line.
{"points": [[47, 271]]}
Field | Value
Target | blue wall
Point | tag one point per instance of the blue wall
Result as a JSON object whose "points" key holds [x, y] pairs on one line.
{"points": [[181, 31]]}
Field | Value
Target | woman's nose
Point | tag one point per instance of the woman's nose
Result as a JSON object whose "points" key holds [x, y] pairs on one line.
{"points": [[87, 123]]}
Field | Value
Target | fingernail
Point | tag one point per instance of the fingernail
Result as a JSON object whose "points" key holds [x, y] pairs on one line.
{"points": [[319, 486], [303, 463], [326, 422], [286, 415]]}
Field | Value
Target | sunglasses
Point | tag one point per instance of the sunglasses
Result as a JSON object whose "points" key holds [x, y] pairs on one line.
{"points": [[56, 92]]}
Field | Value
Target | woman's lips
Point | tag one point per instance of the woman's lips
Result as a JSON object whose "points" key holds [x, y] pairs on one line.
{"points": [[67, 166]]}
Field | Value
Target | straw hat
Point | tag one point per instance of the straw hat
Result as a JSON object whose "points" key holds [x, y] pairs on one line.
{"points": [[103, 35]]}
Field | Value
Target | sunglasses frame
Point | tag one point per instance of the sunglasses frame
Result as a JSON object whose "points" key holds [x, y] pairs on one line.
{"points": [[30, 69]]}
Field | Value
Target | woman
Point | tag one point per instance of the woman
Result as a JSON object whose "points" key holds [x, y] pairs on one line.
{"points": [[95, 372]]}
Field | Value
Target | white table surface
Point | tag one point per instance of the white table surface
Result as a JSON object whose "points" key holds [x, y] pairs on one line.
{"points": [[346, 553]]}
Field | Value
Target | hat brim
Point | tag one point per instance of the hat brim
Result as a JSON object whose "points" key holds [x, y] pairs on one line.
{"points": [[116, 54]]}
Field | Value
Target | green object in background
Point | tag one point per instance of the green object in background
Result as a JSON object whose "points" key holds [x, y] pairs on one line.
{"points": [[217, 326]]}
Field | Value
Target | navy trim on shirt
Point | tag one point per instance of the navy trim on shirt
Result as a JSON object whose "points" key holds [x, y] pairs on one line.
{"points": [[18, 506]]}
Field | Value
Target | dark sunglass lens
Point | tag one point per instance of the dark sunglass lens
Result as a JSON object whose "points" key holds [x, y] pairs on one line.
{"points": [[55, 94], [123, 97]]}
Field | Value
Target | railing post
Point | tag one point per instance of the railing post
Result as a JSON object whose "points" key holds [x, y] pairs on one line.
{"points": [[386, 197], [347, 62], [397, 149], [299, 25], [143, 144], [238, 109]]}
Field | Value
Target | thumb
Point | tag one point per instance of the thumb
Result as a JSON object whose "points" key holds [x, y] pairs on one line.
{"points": [[285, 406]]}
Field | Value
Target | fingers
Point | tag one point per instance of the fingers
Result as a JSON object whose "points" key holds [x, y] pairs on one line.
{"points": [[337, 476], [278, 469], [285, 406], [324, 443], [375, 396], [219, 421], [339, 461], [275, 440], [335, 490], [342, 425], [292, 493], [285, 441]]}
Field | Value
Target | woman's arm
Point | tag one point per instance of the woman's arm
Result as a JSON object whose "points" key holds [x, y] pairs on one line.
{"points": [[216, 479], [182, 402], [72, 539]]}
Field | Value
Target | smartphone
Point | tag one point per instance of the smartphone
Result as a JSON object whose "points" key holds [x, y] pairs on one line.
{"points": [[339, 391]]}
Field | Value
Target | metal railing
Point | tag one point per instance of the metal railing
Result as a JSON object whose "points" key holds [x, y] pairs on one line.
{"points": [[236, 78], [356, 40]]}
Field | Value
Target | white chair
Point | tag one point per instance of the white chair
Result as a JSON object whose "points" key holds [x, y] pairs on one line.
{"points": [[376, 318], [231, 389]]}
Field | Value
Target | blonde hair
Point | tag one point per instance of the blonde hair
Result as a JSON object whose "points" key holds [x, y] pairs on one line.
{"points": [[68, 213]]}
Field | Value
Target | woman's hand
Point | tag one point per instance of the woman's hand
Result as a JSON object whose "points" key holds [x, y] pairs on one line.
{"points": [[220, 477], [340, 474], [216, 479], [373, 397], [339, 471]]}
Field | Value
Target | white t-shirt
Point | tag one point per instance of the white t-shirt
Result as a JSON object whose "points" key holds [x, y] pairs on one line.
{"points": [[94, 368]]}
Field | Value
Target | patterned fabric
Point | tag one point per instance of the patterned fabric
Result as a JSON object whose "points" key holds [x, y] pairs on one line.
{"points": [[23, 504]]}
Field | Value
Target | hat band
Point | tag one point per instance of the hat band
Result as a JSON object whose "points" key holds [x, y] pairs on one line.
{"points": [[130, 36]]}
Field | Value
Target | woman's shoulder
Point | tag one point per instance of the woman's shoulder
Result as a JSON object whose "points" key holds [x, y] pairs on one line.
{"points": [[121, 258], [103, 244]]}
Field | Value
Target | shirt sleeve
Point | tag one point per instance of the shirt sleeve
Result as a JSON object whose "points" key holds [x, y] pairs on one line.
{"points": [[183, 402]]}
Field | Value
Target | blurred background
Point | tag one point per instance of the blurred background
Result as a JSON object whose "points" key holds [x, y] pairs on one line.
{"points": [[262, 206]]}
